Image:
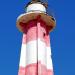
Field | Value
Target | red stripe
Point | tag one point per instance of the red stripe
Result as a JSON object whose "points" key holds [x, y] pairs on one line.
{"points": [[47, 40], [21, 71], [24, 39], [50, 72], [33, 70], [32, 34]]}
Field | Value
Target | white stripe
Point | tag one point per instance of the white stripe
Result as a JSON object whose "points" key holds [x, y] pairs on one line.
{"points": [[29, 54], [36, 51], [48, 50], [49, 59], [23, 56], [42, 52]]}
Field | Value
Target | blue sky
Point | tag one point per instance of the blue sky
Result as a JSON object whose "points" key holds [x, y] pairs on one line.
{"points": [[62, 38]]}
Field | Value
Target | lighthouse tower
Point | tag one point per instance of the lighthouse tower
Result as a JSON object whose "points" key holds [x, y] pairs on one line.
{"points": [[35, 24]]}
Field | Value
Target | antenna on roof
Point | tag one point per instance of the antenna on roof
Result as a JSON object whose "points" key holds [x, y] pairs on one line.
{"points": [[45, 3]]}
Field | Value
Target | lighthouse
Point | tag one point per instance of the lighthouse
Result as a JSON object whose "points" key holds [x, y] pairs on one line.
{"points": [[35, 24]]}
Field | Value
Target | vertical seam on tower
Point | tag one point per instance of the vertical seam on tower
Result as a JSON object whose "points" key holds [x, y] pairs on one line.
{"points": [[37, 44]]}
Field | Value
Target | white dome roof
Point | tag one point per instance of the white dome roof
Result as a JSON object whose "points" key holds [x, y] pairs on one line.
{"points": [[36, 7]]}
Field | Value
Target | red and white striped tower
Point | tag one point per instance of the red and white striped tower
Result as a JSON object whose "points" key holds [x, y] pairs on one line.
{"points": [[35, 51]]}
